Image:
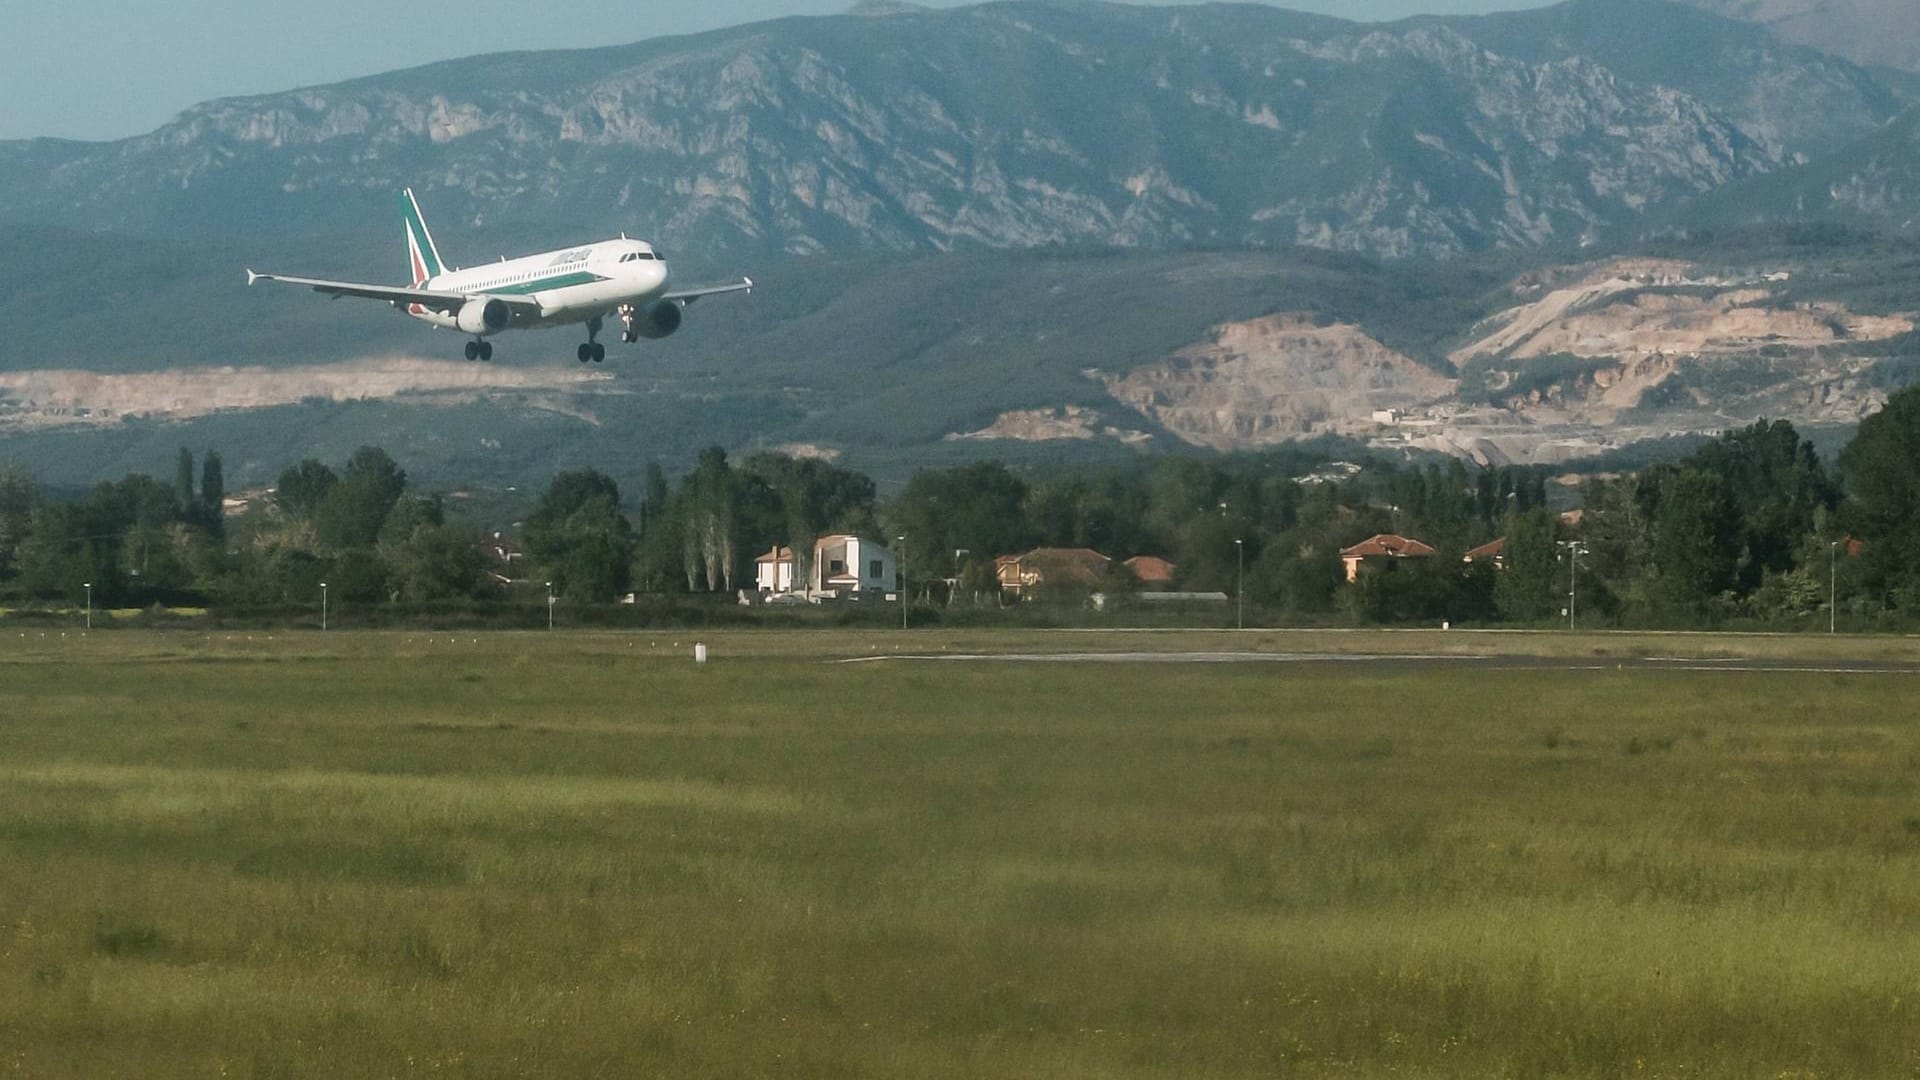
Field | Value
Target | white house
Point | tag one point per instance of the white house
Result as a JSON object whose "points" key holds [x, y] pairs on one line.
{"points": [[844, 567], [773, 572]]}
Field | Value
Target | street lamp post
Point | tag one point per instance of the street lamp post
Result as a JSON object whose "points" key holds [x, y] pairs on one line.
{"points": [[902, 539], [1833, 582], [89, 587], [1239, 584], [1574, 549], [323, 605], [549, 605]]}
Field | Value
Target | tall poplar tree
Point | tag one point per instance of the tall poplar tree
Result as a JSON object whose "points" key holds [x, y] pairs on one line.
{"points": [[213, 493], [183, 480]]}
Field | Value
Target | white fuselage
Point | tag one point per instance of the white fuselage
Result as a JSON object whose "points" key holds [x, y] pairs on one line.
{"points": [[571, 285]]}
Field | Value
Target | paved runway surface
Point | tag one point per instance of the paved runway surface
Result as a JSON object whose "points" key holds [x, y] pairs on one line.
{"points": [[1480, 663]]}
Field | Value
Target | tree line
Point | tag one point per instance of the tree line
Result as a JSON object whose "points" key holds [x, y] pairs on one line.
{"points": [[1752, 527]]}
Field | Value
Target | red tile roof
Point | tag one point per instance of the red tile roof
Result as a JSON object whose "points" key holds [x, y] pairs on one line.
{"points": [[1056, 564], [1493, 550], [1390, 545], [1151, 569]]}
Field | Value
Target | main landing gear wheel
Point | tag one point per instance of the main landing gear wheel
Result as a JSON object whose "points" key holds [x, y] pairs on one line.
{"points": [[592, 350], [479, 350], [473, 350]]}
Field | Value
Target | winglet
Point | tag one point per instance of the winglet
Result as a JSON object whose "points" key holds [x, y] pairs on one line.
{"points": [[251, 276], [748, 280]]}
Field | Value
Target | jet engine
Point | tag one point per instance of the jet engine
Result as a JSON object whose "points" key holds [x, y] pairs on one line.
{"points": [[489, 317], [657, 320]]}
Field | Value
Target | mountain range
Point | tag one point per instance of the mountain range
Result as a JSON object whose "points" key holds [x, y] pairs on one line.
{"points": [[1016, 124], [1031, 229]]}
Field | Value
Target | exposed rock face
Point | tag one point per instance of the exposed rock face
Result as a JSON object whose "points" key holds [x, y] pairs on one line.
{"points": [[1872, 183], [1072, 422], [807, 450], [1010, 125], [1646, 318], [1588, 358], [31, 399], [1632, 309], [1278, 378]]}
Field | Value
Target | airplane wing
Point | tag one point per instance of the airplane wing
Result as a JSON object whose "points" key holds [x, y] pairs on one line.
{"points": [[427, 298], [688, 296]]}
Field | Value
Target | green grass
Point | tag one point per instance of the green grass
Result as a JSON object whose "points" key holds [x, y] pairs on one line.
{"points": [[572, 854]]}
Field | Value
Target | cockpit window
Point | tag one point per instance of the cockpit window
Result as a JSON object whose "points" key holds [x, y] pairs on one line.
{"points": [[631, 256]]}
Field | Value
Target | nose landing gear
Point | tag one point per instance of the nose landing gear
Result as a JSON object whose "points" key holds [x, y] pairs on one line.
{"points": [[627, 333]]}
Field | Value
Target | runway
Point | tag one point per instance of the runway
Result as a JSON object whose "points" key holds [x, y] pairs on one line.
{"points": [[1416, 660]]}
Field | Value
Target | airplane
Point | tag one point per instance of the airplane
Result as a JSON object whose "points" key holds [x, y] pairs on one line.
{"points": [[623, 277]]}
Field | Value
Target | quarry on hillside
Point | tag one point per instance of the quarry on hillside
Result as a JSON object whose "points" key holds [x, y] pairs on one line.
{"points": [[1641, 345], [1630, 310], [54, 398], [1046, 425], [1587, 360], [1269, 380]]}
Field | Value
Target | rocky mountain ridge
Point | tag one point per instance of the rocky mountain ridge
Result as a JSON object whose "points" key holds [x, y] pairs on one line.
{"points": [[1013, 124]]}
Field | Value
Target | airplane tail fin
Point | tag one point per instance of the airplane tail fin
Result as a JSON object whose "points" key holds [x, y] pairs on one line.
{"points": [[423, 259]]}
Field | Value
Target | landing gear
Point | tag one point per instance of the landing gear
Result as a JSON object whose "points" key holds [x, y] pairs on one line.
{"points": [[627, 333], [592, 350], [479, 350]]}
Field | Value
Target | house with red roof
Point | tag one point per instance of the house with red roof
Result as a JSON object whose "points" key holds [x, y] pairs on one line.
{"points": [[1494, 552], [1150, 569], [1021, 574], [1382, 550]]}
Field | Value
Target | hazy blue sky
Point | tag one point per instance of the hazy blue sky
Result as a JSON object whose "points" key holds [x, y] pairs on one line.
{"points": [[92, 70]]}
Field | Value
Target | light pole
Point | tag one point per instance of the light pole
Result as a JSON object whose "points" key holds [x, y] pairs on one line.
{"points": [[1833, 581], [323, 605], [89, 587], [1574, 549], [902, 538], [1239, 584], [549, 605]]}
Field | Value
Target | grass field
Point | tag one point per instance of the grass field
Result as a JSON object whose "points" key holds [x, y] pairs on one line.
{"points": [[583, 855]]}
